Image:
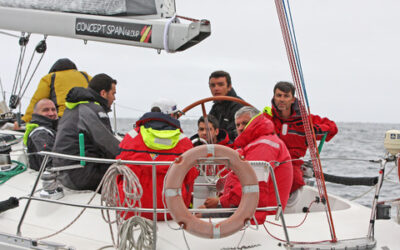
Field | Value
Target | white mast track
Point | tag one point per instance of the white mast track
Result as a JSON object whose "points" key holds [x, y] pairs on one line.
{"points": [[109, 29]]}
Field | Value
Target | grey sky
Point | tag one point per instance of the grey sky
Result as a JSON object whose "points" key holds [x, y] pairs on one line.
{"points": [[349, 52]]}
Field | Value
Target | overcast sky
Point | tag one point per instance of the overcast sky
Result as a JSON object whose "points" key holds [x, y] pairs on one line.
{"points": [[349, 51]]}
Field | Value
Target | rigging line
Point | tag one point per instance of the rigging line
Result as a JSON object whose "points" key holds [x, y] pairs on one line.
{"points": [[299, 83], [19, 65], [311, 139], [295, 242], [2, 90], [130, 108], [23, 41], [295, 226], [9, 34], [26, 73], [33, 73], [297, 53]]}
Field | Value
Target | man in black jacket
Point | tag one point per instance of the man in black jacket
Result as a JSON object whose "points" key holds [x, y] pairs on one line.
{"points": [[86, 114], [221, 85], [40, 132]]}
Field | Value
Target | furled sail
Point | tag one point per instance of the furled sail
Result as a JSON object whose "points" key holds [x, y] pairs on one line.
{"points": [[98, 7]]}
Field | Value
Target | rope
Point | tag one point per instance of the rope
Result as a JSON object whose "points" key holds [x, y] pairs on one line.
{"points": [[23, 84], [6, 175], [9, 34], [289, 38], [110, 177], [296, 242], [145, 240], [110, 194], [298, 225]]}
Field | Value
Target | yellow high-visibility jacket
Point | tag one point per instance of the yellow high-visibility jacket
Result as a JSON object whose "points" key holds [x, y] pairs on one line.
{"points": [[55, 86]]}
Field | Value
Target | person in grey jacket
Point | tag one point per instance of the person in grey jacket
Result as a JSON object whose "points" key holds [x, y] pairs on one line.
{"points": [[86, 113], [40, 132]]}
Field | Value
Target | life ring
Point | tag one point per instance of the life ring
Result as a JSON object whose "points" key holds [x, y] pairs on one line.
{"points": [[194, 225]]}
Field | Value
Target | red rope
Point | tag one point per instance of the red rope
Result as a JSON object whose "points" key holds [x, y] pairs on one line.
{"points": [[301, 223], [295, 242], [310, 135]]}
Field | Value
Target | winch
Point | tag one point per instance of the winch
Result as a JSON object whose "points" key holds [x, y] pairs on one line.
{"points": [[51, 188], [5, 159]]}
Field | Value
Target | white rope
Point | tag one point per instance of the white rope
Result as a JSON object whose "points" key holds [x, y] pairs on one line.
{"points": [[145, 240], [110, 194]]}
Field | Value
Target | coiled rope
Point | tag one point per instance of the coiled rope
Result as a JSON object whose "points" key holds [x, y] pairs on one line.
{"points": [[6, 175], [145, 240], [110, 197]]}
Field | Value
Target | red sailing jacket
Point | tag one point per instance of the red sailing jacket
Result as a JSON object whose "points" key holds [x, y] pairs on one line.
{"points": [[134, 148], [259, 143], [291, 131]]}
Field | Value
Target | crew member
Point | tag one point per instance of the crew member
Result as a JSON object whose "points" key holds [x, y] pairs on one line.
{"points": [[62, 77], [216, 135], [220, 84], [86, 114], [40, 133], [285, 114], [257, 141], [157, 137]]}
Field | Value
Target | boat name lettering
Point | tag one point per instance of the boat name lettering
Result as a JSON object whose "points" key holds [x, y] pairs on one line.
{"points": [[118, 30]]}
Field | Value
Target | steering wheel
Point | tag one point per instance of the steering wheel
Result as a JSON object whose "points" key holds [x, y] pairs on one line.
{"points": [[203, 108]]}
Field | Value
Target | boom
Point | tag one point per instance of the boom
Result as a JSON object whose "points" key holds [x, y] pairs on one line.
{"points": [[149, 33]]}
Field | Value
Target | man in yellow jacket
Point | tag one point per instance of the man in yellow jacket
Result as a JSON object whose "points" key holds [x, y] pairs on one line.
{"points": [[62, 77]]}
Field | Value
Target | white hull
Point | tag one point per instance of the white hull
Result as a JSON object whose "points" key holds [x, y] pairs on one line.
{"points": [[351, 221]]}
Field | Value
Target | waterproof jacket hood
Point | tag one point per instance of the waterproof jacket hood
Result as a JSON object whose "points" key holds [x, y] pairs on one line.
{"points": [[158, 121], [257, 127], [44, 121], [39, 121], [39, 136], [62, 64], [79, 94]]}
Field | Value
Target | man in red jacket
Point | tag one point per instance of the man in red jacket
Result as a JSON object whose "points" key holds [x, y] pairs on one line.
{"points": [[157, 137], [285, 114], [217, 135], [257, 142]]}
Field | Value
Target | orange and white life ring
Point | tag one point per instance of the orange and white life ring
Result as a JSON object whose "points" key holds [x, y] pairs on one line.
{"points": [[194, 225]]}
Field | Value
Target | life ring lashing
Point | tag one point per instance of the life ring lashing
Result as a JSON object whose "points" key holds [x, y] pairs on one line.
{"points": [[194, 225]]}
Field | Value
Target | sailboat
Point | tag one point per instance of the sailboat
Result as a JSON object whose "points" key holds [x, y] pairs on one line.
{"points": [[71, 222]]}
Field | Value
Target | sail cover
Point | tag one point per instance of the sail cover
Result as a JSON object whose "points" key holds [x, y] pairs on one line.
{"points": [[95, 7]]}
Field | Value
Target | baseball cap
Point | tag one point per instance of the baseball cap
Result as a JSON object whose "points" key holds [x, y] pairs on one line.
{"points": [[166, 106]]}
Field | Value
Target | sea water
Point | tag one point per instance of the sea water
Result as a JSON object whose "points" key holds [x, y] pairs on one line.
{"points": [[347, 154]]}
